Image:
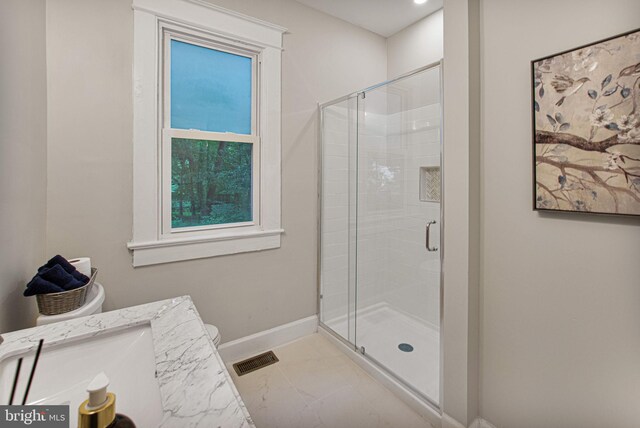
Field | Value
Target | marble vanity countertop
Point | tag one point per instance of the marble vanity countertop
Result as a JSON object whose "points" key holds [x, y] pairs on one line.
{"points": [[195, 387]]}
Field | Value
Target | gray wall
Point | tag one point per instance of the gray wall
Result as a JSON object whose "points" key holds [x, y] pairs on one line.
{"points": [[560, 342], [416, 46], [23, 155], [90, 154]]}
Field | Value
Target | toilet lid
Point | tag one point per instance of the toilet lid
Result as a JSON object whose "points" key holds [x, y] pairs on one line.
{"points": [[212, 330]]}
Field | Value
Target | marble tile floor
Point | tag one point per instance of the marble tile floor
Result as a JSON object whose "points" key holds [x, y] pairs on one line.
{"points": [[314, 385]]}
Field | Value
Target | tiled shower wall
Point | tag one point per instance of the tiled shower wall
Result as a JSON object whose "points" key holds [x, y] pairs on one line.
{"points": [[335, 214], [393, 265], [414, 136]]}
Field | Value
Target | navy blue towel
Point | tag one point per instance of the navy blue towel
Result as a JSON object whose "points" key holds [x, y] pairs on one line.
{"points": [[41, 286], [68, 267], [60, 277]]}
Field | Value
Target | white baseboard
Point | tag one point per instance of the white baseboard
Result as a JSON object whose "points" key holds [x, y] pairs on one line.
{"points": [[449, 422], [249, 346], [481, 423]]}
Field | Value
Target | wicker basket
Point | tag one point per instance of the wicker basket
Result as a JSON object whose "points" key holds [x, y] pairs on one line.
{"points": [[66, 301]]}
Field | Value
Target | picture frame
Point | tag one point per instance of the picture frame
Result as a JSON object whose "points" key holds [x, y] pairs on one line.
{"points": [[585, 105]]}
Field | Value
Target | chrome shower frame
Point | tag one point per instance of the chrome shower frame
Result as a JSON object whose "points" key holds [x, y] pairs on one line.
{"points": [[425, 399]]}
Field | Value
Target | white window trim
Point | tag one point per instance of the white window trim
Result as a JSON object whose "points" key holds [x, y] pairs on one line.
{"points": [[151, 244]]}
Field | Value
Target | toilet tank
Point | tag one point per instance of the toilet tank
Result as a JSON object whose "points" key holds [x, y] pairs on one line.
{"points": [[92, 305]]}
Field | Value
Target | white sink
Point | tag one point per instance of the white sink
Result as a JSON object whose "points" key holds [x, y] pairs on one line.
{"points": [[65, 369]]}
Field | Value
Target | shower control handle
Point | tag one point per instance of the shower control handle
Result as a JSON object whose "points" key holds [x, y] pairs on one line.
{"points": [[426, 239]]}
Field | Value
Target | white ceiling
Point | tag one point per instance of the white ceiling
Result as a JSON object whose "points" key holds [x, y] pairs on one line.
{"points": [[384, 17]]}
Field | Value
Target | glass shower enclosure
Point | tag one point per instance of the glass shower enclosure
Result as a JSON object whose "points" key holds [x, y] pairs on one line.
{"points": [[380, 236]]}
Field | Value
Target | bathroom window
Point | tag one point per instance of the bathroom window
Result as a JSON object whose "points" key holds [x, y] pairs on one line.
{"points": [[206, 132], [211, 143]]}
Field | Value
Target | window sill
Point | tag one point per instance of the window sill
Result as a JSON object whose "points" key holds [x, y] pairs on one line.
{"points": [[176, 249]]}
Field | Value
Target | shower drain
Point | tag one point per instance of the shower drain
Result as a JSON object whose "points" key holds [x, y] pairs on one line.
{"points": [[405, 347]]}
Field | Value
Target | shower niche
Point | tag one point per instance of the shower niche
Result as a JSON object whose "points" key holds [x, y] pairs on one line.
{"points": [[380, 226], [430, 184]]}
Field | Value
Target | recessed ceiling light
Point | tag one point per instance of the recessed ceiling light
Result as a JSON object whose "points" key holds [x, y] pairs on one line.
{"points": [[419, 1]]}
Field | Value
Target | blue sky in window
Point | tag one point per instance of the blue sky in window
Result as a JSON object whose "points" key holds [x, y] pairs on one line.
{"points": [[210, 89]]}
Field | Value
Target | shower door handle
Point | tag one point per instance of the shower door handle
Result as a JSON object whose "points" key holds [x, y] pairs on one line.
{"points": [[427, 234]]}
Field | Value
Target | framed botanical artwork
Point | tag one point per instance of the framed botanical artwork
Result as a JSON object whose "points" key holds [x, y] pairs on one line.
{"points": [[586, 128]]}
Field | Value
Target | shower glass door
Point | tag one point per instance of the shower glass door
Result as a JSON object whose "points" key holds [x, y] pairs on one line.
{"points": [[380, 222], [338, 179], [398, 229]]}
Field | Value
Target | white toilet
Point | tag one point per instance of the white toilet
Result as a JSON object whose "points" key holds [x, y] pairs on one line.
{"points": [[214, 333], [92, 305]]}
